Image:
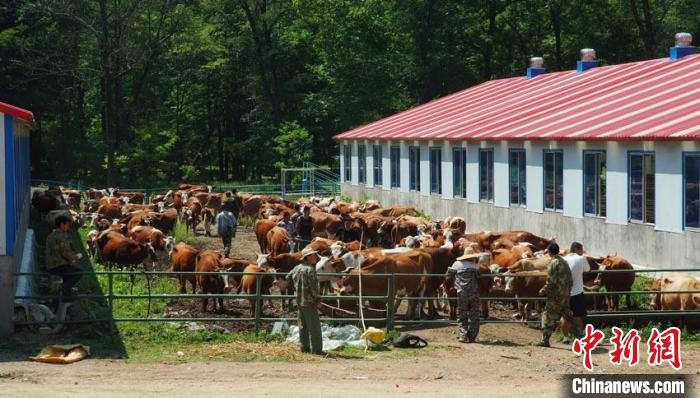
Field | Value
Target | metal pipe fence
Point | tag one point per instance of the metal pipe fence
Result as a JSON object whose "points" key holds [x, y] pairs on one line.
{"points": [[390, 298]]}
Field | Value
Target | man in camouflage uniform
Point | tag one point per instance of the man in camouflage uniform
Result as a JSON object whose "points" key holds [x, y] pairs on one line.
{"points": [[557, 290], [305, 282], [60, 256], [465, 272]]}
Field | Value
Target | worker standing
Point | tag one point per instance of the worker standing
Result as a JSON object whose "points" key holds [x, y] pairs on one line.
{"points": [[557, 290], [303, 278]]}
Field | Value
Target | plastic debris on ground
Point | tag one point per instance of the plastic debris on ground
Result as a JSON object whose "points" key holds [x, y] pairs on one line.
{"points": [[333, 337], [62, 354]]}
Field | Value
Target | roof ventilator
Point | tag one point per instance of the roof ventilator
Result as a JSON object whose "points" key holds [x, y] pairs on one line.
{"points": [[536, 67], [683, 46], [587, 61]]}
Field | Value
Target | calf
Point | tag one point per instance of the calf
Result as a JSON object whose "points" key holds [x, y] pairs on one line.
{"points": [[616, 282], [154, 236], [210, 261], [249, 284], [528, 284], [183, 258]]}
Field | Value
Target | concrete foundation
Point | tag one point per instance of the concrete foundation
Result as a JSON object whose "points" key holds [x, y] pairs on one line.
{"points": [[641, 244]]}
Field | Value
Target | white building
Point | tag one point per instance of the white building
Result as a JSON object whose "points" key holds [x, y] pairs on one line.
{"points": [[609, 156]]}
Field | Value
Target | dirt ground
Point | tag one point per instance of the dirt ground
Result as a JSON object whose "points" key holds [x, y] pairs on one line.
{"points": [[503, 363]]}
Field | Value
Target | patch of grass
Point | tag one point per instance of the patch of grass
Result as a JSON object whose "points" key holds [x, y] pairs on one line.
{"points": [[181, 234], [246, 222], [422, 214]]}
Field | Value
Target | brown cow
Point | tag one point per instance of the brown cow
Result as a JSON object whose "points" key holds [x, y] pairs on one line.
{"points": [[616, 282], [249, 284], [110, 211], [376, 229], [508, 257], [487, 239], [183, 258], [277, 241], [164, 221], [484, 283], [154, 236], [261, 228], [678, 282], [412, 262], [134, 197], [210, 261], [325, 223], [396, 211], [116, 248], [528, 284]]}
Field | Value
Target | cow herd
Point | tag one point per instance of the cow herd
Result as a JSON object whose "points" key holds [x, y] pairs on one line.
{"points": [[392, 240]]}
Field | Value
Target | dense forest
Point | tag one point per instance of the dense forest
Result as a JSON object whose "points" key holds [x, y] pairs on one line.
{"points": [[149, 92]]}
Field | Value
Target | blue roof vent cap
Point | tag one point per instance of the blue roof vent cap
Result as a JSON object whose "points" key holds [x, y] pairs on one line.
{"points": [[536, 67], [684, 46], [587, 61]]}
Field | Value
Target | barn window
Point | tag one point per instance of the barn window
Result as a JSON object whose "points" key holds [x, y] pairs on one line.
{"points": [[642, 187], [516, 163], [486, 175], [347, 157], [414, 168], [553, 180], [361, 164], [395, 166], [459, 172], [436, 170], [377, 156], [594, 175], [691, 189]]}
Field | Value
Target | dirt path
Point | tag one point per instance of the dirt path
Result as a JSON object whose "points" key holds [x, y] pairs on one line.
{"points": [[503, 364]]}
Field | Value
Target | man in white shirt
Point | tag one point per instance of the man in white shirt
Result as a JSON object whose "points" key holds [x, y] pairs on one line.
{"points": [[578, 264]]}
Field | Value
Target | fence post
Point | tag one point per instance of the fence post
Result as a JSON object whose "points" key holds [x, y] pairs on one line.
{"points": [[391, 299], [258, 306], [110, 303]]}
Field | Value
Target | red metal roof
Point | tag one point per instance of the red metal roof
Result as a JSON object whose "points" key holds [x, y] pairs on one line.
{"points": [[17, 112], [648, 100]]}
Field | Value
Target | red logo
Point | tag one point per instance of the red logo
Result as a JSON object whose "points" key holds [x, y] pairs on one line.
{"points": [[586, 344], [665, 347], [625, 348]]}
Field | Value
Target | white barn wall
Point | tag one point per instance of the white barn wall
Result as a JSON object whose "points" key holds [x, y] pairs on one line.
{"points": [[341, 147], [404, 166], [386, 166], [501, 196], [534, 157], [447, 170], [473, 172], [616, 189], [664, 245]]}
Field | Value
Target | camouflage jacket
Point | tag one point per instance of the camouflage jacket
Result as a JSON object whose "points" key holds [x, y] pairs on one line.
{"points": [[303, 278], [58, 249], [559, 279], [466, 277]]}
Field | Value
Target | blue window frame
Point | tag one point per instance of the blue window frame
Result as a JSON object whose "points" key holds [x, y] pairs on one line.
{"points": [[436, 170], [414, 168], [361, 164], [486, 175], [594, 182], [517, 177], [553, 180], [395, 166], [377, 167], [691, 190], [459, 172], [642, 187]]}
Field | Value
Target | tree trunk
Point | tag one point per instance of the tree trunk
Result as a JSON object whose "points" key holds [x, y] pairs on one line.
{"points": [[424, 28], [107, 95], [555, 10]]}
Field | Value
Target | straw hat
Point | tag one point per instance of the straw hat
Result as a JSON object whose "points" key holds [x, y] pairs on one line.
{"points": [[307, 252], [470, 253]]}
